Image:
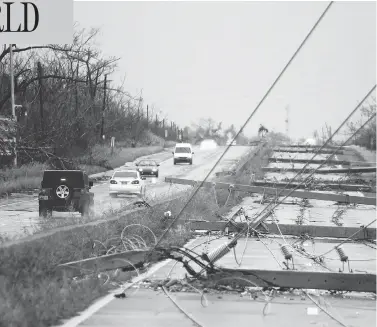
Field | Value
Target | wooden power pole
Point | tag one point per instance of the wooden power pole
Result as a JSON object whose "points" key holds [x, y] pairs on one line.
{"points": [[41, 109], [103, 107], [12, 102]]}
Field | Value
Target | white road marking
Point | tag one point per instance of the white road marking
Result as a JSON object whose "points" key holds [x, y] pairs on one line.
{"points": [[86, 314]]}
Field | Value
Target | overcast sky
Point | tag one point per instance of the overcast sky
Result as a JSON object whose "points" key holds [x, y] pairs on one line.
{"points": [[217, 59]]}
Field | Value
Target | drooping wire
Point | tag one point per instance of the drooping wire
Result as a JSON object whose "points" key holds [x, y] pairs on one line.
{"points": [[324, 309], [349, 238], [181, 309], [249, 118]]}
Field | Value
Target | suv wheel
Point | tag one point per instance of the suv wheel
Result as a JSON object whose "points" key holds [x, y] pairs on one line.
{"points": [[190, 162], [175, 162], [63, 192], [113, 195], [45, 212]]}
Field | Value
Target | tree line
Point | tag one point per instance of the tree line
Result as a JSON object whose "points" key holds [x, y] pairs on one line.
{"points": [[366, 137], [66, 102]]}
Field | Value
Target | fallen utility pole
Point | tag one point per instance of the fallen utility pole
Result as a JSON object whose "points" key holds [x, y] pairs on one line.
{"points": [[317, 186], [357, 170], [308, 151], [289, 229], [314, 161], [313, 146], [354, 282], [274, 191]]}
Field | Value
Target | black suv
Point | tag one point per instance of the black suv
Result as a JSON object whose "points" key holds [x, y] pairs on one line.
{"points": [[65, 190]]}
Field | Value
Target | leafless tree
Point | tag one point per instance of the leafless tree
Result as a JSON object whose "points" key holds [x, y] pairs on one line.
{"points": [[62, 90]]}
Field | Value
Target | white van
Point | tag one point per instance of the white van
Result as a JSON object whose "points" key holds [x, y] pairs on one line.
{"points": [[183, 153]]}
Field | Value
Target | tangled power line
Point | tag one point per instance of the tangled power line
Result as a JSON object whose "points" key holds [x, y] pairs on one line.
{"points": [[134, 241]]}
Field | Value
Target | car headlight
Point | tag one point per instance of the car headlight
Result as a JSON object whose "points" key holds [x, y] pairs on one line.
{"points": [[140, 169], [154, 169]]}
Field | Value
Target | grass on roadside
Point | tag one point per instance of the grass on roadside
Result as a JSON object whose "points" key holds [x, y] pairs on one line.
{"points": [[103, 156]]}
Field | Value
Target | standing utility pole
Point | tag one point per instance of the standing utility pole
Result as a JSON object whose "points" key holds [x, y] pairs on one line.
{"points": [[40, 74], [12, 102], [77, 91], [103, 107]]}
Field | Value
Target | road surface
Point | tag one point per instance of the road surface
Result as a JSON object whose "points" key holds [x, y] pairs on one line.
{"points": [[19, 213]]}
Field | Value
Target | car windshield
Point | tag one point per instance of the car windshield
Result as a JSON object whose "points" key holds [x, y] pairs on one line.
{"points": [[147, 163], [182, 150], [130, 174]]}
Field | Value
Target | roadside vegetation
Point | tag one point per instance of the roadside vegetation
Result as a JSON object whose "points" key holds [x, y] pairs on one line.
{"points": [[208, 128], [364, 139]]}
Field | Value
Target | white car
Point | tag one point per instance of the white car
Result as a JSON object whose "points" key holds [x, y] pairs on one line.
{"points": [[183, 153], [126, 182]]}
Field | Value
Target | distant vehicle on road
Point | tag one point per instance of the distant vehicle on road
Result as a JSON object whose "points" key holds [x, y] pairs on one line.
{"points": [[229, 142], [126, 182], [148, 168], [65, 190], [183, 153], [208, 144], [310, 141]]}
